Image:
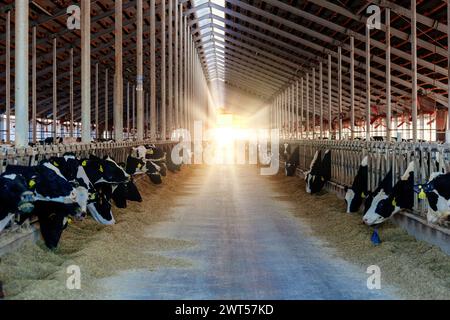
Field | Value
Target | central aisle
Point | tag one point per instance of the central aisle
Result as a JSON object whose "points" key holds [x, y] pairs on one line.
{"points": [[246, 246]]}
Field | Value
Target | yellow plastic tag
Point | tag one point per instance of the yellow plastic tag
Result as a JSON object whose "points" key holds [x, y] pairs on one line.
{"points": [[150, 151], [363, 195], [422, 194], [84, 163], [101, 168], [32, 183], [322, 179], [55, 164], [69, 220], [92, 196], [139, 166], [394, 202]]}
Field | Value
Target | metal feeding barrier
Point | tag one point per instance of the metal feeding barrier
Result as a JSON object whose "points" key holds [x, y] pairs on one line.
{"points": [[14, 236], [346, 157], [33, 155]]}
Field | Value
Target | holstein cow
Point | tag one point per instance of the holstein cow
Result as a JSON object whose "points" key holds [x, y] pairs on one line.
{"points": [[89, 198], [437, 192], [319, 173], [105, 174], [292, 162], [149, 155], [158, 157], [387, 201], [55, 198], [14, 198], [122, 185], [72, 170], [355, 195]]}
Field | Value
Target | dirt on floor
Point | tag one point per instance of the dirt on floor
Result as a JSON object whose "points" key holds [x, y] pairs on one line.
{"points": [[34, 272], [418, 269]]}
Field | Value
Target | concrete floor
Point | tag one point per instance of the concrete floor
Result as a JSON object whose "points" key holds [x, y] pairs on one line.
{"points": [[247, 246]]}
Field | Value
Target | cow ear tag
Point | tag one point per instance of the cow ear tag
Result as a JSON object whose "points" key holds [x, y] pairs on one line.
{"points": [[322, 179], [139, 165], [363, 195], [101, 168], [422, 194], [394, 202], [32, 183], [150, 151], [55, 164]]}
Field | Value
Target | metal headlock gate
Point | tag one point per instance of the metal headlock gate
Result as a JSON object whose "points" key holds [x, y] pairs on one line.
{"points": [[33, 155], [15, 236], [346, 157]]}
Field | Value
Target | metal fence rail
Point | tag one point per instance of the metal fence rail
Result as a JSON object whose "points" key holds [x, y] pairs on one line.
{"points": [[346, 157], [32, 155]]}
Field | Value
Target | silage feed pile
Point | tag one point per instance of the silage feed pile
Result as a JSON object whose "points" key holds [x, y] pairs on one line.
{"points": [[33, 272], [418, 269]]}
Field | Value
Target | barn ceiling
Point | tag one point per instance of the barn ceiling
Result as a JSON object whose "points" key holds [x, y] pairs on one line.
{"points": [[255, 46]]}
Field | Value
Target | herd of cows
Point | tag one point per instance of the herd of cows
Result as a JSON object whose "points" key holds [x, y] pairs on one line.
{"points": [[388, 198], [60, 189]]}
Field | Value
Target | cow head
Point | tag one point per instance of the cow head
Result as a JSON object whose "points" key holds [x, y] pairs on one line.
{"points": [[135, 166], [354, 200], [15, 195], [52, 186], [289, 169], [100, 208], [72, 170], [381, 207], [355, 195], [153, 172], [155, 154], [292, 162], [436, 192], [133, 193], [104, 171], [139, 152], [119, 195], [386, 202]]}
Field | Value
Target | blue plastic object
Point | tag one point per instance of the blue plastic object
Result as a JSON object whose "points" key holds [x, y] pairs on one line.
{"points": [[375, 238]]}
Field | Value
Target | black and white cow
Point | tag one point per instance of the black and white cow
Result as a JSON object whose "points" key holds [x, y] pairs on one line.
{"points": [[153, 172], [90, 198], [14, 198], [135, 166], [171, 166], [355, 195], [387, 200], [158, 157], [106, 175], [72, 170], [104, 171], [55, 198], [292, 162], [319, 173], [437, 193]]}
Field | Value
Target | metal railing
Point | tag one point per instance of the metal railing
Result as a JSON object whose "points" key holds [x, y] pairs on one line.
{"points": [[346, 157], [32, 155]]}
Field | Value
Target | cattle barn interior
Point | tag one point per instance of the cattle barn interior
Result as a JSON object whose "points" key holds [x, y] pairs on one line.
{"points": [[224, 149]]}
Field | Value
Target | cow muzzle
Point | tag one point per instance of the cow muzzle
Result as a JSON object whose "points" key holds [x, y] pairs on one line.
{"points": [[25, 204]]}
